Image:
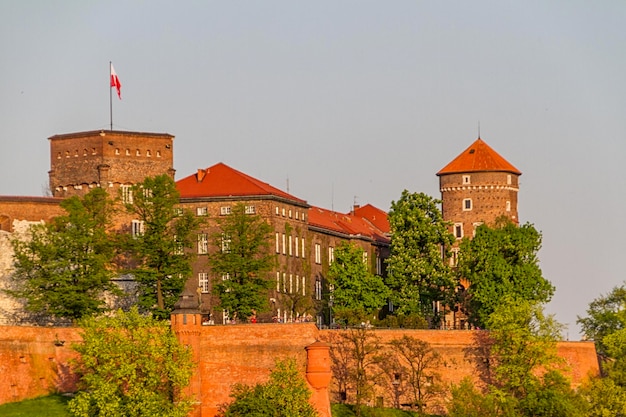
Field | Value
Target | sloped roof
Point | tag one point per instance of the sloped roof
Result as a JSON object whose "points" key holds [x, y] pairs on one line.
{"points": [[220, 180], [479, 157], [375, 216], [348, 224]]}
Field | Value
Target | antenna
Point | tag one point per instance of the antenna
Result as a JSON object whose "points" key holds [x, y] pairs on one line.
{"points": [[287, 183], [479, 129]]}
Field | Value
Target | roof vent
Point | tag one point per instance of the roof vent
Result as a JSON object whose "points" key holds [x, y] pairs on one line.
{"points": [[201, 174], [472, 151]]}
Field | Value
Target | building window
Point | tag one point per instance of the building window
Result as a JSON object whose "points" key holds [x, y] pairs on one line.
{"points": [[148, 153], [284, 282], [277, 242], [202, 211], [476, 225], [291, 283], [290, 213], [466, 179], [137, 228], [302, 247], [318, 289], [117, 151], [296, 242], [203, 244], [365, 257], [203, 282], [290, 246], [138, 152], [178, 211], [508, 206], [318, 253], [284, 244], [127, 194], [179, 248], [331, 255], [277, 211], [508, 179], [454, 258], [283, 212], [226, 243], [250, 210], [277, 281], [224, 210], [303, 285], [297, 215], [458, 230], [158, 154], [127, 152], [379, 265], [467, 204]]}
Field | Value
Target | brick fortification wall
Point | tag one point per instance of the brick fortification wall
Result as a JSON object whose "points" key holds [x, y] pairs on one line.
{"points": [[32, 363]]}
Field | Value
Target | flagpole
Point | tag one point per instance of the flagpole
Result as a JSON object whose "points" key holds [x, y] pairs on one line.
{"points": [[110, 95]]}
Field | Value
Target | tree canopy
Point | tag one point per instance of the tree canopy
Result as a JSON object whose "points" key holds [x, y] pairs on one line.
{"points": [[131, 366], [242, 262], [418, 273], [64, 268], [356, 291], [502, 261], [161, 265]]}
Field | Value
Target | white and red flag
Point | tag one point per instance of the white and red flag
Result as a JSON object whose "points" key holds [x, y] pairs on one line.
{"points": [[115, 82]]}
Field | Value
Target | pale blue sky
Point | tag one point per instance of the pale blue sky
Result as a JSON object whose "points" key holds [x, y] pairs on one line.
{"points": [[346, 101]]}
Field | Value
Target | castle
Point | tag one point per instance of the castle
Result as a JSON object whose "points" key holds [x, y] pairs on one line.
{"points": [[477, 186]]}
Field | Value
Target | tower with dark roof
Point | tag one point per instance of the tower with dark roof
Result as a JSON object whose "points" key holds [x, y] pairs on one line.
{"points": [[477, 187]]}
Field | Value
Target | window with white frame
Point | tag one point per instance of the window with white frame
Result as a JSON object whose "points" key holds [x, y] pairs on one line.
{"points": [[466, 179], [284, 244], [508, 179], [458, 230], [331, 255], [291, 283], [297, 215], [226, 277], [284, 282], [297, 283], [250, 210], [226, 243], [202, 211], [203, 244], [137, 228], [296, 243], [277, 242], [303, 285], [224, 210], [318, 253], [318, 289], [277, 211], [302, 247], [127, 194], [454, 257], [203, 282], [508, 206], [277, 281], [283, 211], [467, 204]]}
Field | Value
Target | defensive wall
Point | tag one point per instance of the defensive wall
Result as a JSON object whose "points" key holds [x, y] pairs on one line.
{"points": [[35, 361]]}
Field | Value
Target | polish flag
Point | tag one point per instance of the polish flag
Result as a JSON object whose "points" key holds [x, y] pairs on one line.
{"points": [[115, 82]]}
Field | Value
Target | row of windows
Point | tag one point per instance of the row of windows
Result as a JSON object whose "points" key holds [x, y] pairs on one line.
{"points": [[224, 210], [299, 215], [288, 245], [458, 229], [468, 180], [137, 152], [467, 205], [93, 151], [290, 284]]}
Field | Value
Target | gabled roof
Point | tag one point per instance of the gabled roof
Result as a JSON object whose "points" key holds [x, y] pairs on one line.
{"points": [[479, 157], [346, 224], [375, 216], [220, 180]]}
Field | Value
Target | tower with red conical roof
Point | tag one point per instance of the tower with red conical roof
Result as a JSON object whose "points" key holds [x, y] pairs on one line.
{"points": [[477, 187]]}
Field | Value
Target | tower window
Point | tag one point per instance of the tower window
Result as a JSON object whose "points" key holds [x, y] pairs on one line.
{"points": [[508, 179], [117, 151], [458, 230], [508, 206], [467, 204], [466, 179]]}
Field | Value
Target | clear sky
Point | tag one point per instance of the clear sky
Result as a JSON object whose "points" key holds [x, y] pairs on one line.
{"points": [[346, 101]]}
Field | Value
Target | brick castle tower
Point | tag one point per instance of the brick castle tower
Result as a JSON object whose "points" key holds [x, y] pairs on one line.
{"points": [[477, 187], [108, 159]]}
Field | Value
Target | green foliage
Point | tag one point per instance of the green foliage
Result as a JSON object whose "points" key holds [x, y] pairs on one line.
{"points": [[131, 366], [357, 292], [161, 263], [49, 406], [347, 410], [467, 401], [417, 274], [605, 315], [286, 394], [502, 261], [63, 268], [242, 263], [605, 398]]}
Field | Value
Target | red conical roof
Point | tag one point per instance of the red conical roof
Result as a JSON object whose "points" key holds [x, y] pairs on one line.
{"points": [[479, 157]]}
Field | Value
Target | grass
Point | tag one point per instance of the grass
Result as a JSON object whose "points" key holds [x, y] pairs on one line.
{"points": [[49, 406]]}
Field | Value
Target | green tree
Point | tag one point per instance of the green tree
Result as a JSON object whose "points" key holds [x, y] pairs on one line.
{"points": [[502, 261], [357, 292], [418, 271], [605, 315], [131, 366], [285, 395], [64, 268], [242, 263], [605, 398], [157, 246]]}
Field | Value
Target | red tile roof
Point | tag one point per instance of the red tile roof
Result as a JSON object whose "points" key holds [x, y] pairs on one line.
{"points": [[220, 180], [348, 224], [375, 216], [478, 157]]}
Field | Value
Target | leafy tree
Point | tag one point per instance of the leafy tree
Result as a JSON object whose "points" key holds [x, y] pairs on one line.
{"points": [[131, 366], [605, 398], [161, 263], [468, 401], [418, 362], [286, 394], [605, 315], [63, 268], [242, 263], [357, 292], [417, 271], [502, 261]]}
